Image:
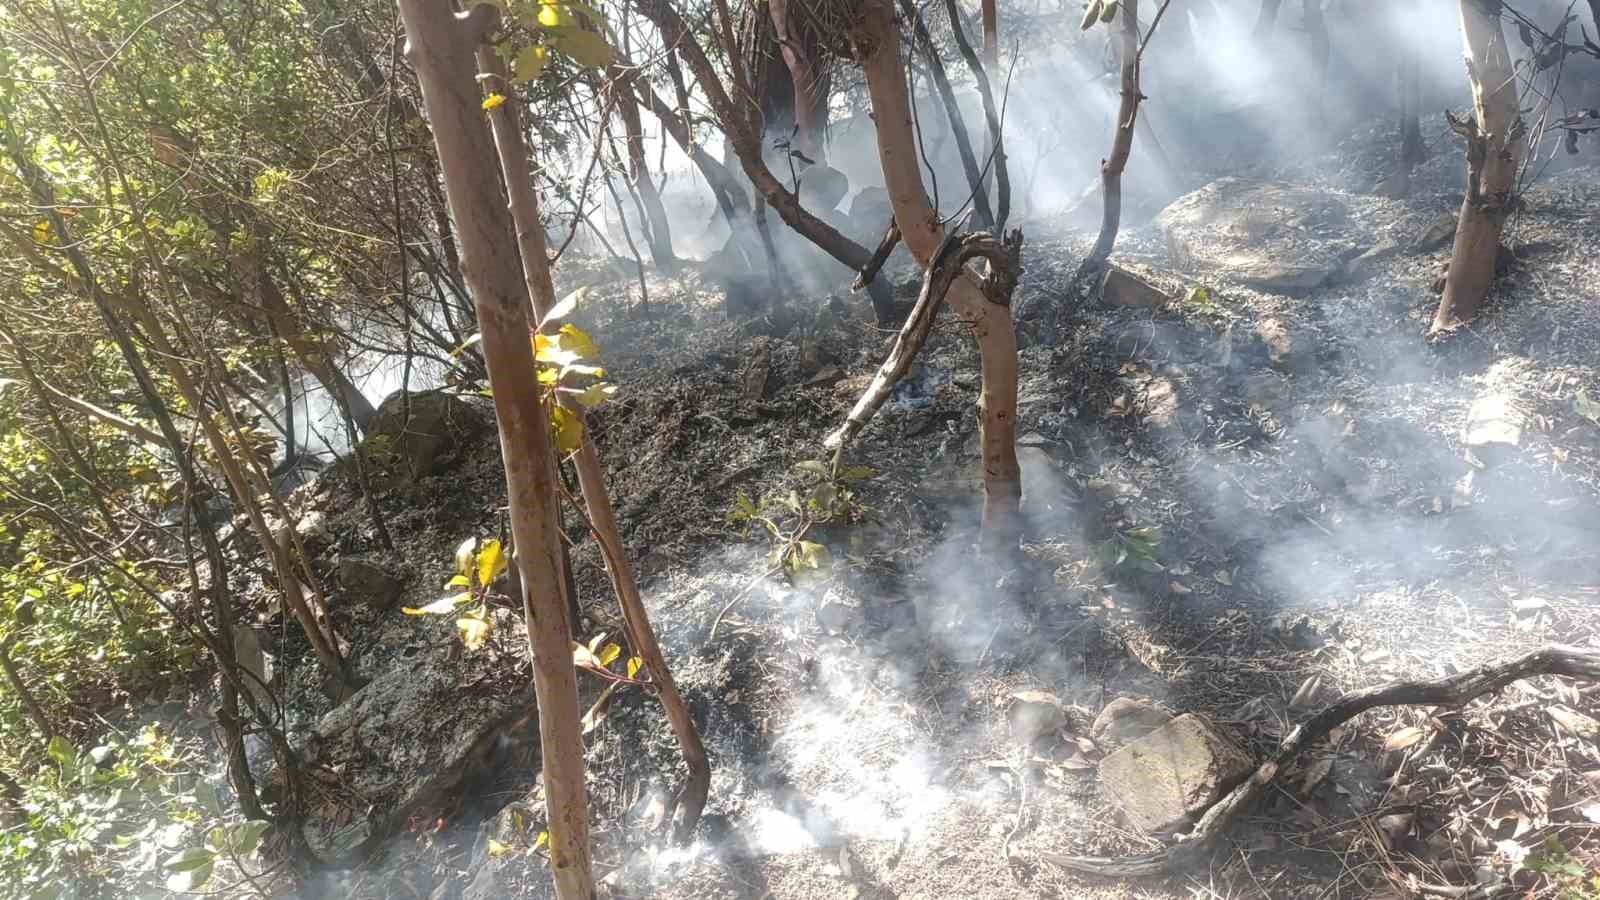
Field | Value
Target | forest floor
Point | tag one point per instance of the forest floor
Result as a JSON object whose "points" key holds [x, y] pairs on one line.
{"points": [[1314, 516]]}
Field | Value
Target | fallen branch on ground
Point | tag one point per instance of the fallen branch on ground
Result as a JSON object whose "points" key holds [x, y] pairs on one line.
{"points": [[1454, 691]]}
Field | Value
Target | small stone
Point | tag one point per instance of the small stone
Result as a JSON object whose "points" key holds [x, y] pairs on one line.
{"points": [[1441, 232], [1174, 772], [1279, 342], [1494, 425], [1119, 287], [1034, 714], [1126, 719], [367, 578]]}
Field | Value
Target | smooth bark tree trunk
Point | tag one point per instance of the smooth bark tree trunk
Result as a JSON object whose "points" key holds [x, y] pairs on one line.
{"points": [[982, 216], [810, 83], [995, 149], [877, 40], [658, 233], [1496, 141], [746, 142], [441, 48], [1122, 141]]}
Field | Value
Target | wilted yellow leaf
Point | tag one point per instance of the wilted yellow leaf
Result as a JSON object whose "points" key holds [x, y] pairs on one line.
{"points": [[497, 849], [492, 101], [466, 552], [608, 655], [541, 840], [549, 15], [564, 307], [474, 631], [635, 663], [547, 349], [458, 581], [594, 394], [1404, 738]]}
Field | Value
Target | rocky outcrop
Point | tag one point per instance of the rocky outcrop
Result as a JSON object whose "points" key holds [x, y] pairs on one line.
{"points": [[1269, 236], [413, 433]]}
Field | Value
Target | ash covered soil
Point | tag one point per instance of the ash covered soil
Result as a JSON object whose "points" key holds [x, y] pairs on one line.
{"points": [[1240, 502]]}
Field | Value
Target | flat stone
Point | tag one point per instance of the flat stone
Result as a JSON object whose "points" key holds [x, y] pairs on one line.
{"points": [[1034, 714], [1126, 719], [1273, 237], [1173, 773], [1493, 425], [368, 578], [1435, 236], [1120, 287], [1365, 263]]}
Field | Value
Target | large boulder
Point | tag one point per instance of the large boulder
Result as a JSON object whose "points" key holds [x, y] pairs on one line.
{"points": [[403, 744], [1269, 236], [410, 440], [822, 187]]}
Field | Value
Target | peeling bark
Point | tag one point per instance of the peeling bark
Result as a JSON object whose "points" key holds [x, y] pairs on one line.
{"points": [[1496, 141]]}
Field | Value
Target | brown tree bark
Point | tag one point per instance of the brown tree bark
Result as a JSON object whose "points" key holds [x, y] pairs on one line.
{"points": [[982, 217], [877, 43], [23, 694], [810, 82], [591, 475], [994, 145], [441, 47], [1496, 141]]}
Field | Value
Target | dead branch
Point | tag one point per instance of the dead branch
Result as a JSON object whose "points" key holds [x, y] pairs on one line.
{"points": [[1454, 691], [946, 265], [891, 239]]}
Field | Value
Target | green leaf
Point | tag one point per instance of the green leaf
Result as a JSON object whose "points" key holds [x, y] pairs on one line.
{"points": [[811, 555], [1586, 407], [438, 607], [246, 836], [61, 750], [593, 395], [530, 63], [587, 48], [190, 859], [854, 474], [189, 880], [1091, 14], [812, 467], [497, 849], [576, 341]]}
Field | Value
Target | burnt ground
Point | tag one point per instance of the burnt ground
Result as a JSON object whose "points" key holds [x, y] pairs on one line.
{"points": [[1314, 515]]}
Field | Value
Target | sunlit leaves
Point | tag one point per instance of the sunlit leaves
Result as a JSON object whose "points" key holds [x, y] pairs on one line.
{"points": [[492, 101], [491, 562], [442, 606], [635, 663], [475, 629], [568, 431]]}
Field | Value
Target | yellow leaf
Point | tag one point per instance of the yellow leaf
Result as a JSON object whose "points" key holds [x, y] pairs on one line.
{"points": [[549, 15], [549, 376], [497, 849], [492, 101], [458, 581], [635, 663], [593, 395], [608, 655], [563, 307], [474, 631], [41, 232], [581, 657], [577, 342], [466, 552], [438, 607], [491, 562], [568, 430], [548, 349], [541, 840]]}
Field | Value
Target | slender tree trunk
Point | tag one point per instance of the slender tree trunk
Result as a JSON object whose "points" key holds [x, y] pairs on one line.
{"points": [[983, 217], [23, 694], [658, 232], [990, 18], [877, 41], [810, 83], [1496, 140], [747, 147], [1112, 167], [441, 46], [995, 154]]}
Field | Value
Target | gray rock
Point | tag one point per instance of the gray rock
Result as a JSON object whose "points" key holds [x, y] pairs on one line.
{"points": [[402, 744], [1034, 714], [368, 578], [407, 442], [1493, 427], [1119, 287], [1435, 236], [1365, 264], [822, 187], [1270, 236], [1126, 719], [1173, 773], [1280, 343]]}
